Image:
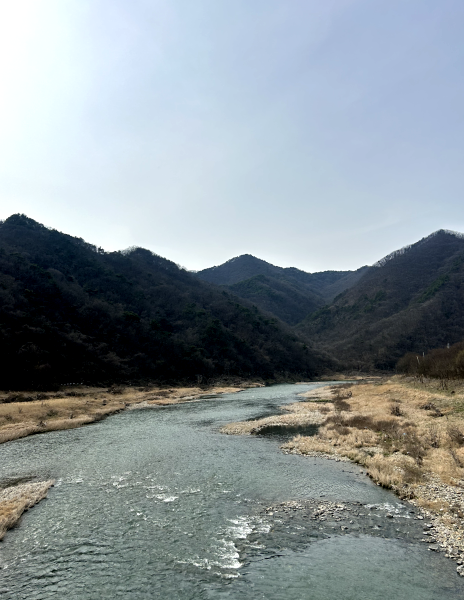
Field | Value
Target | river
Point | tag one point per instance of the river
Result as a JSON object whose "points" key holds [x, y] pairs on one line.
{"points": [[156, 503]]}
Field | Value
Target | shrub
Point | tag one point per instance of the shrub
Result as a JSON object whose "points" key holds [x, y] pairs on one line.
{"points": [[412, 473], [414, 447], [455, 434], [433, 437], [395, 409], [341, 405]]}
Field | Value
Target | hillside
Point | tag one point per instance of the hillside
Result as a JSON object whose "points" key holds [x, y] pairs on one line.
{"points": [[284, 299], [288, 293], [71, 312], [413, 300]]}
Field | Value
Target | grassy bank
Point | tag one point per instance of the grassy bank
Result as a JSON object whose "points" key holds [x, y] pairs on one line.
{"points": [[16, 499], [409, 436], [27, 413]]}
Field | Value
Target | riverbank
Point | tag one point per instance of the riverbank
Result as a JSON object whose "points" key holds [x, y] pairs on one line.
{"points": [[28, 413], [16, 499], [409, 435]]}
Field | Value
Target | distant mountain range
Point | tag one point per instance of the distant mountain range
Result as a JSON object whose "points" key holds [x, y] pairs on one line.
{"points": [[71, 312], [412, 300], [288, 293]]}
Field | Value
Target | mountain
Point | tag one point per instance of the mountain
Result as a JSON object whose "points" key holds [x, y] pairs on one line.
{"points": [[284, 299], [288, 293], [71, 312], [412, 300]]}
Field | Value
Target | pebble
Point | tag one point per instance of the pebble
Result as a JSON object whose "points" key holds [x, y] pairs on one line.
{"points": [[443, 532], [446, 527]]}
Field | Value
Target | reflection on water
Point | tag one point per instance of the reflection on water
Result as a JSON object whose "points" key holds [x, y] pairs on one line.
{"points": [[158, 504]]}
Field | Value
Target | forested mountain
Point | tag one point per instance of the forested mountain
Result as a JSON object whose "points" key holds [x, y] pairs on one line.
{"points": [[284, 299], [288, 293], [71, 312], [413, 300]]}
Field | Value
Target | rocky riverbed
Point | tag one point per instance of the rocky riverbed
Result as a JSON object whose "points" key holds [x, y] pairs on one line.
{"points": [[323, 519], [445, 531]]}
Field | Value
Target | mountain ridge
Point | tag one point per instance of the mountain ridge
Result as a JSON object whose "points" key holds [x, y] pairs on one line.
{"points": [[287, 292], [69, 311], [412, 302], [412, 299]]}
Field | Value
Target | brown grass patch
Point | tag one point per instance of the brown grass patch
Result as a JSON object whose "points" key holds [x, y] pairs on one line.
{"points": [[390, 427], [22, 415], [15, 500]]}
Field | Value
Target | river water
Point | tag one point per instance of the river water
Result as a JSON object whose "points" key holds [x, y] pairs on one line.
{"points": [[156, 503]]}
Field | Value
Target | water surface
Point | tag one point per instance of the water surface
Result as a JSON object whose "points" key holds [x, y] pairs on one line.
{"points": [[156, 503]]}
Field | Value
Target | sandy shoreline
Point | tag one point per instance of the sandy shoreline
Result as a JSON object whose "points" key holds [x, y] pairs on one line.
{"points": [[408, 435]]}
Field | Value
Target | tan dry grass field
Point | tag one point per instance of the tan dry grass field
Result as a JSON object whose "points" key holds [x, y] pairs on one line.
{"points": [[399, 429], [23, 414]]}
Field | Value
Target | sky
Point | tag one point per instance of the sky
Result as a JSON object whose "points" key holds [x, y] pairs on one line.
{"points": [[314, 134]]}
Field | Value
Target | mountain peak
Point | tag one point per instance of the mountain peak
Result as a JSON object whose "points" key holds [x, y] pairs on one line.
{"points": [[237, 269], [440, 233], [23, 220]]}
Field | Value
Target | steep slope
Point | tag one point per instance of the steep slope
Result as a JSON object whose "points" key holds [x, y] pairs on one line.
{"points": [[284, 299], [71, 312], [288, 293], [412, 300]]}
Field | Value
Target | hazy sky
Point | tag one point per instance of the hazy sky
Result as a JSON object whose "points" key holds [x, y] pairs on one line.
{"points": [[320, 134]]}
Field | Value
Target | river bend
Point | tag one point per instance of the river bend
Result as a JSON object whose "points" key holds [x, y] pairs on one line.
{"points": [[156, 503]]}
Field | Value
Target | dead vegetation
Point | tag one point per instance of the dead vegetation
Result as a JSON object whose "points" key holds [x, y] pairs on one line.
{"points": [[300, 414], [403, 432], [14, 500], [26, 414], [395, 431]]}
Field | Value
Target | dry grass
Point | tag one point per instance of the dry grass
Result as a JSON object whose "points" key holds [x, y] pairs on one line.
{"points": [[16, 499], [300, 414], [401, 431], [26, 414], [408, 435], [434, 506]]}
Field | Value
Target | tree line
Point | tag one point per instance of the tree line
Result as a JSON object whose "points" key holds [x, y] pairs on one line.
{"points": [[440, 363]]}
